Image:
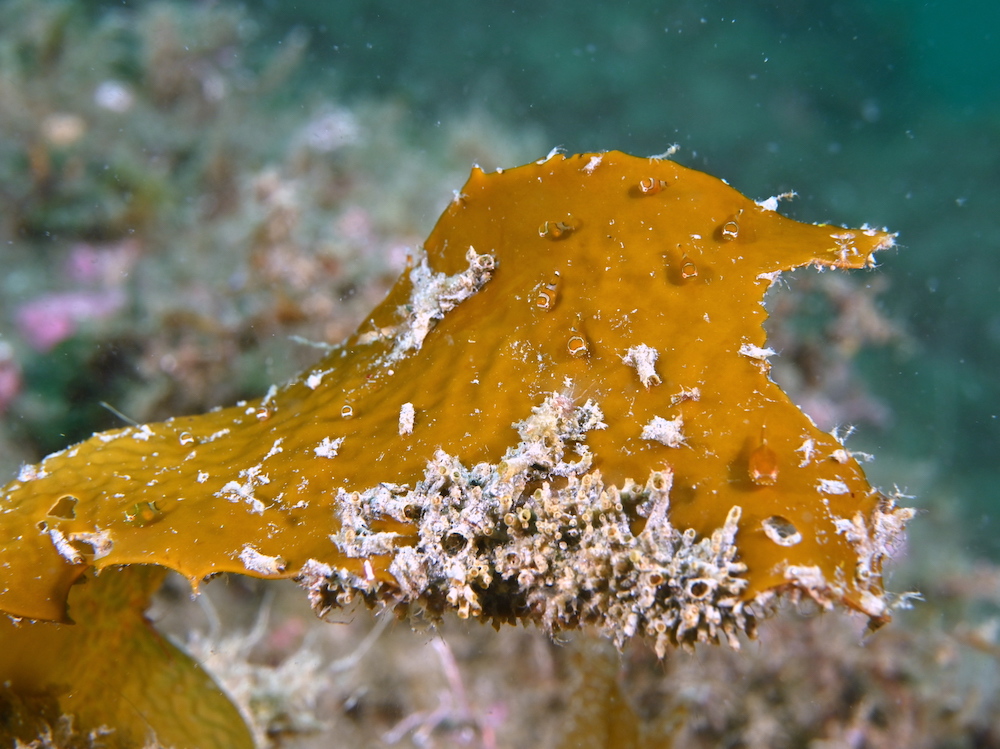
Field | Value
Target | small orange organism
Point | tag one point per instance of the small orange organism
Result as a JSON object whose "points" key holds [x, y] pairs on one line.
{"points": [[763, 464]]}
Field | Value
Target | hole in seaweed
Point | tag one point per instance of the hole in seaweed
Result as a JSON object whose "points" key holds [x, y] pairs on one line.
{"points": [[86, 548], [781, 531], [64, 508]]}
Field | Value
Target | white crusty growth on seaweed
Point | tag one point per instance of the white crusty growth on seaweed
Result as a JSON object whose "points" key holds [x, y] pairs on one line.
{"points": [[406, 415], [264, 564], [643, 358], [669, 432], [539, 536], [435, 294]]}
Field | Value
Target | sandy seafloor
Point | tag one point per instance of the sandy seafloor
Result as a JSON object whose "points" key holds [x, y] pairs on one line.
{"points": [[184, 188]]}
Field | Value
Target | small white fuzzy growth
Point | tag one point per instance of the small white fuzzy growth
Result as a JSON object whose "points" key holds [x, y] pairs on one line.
{"points": [[832, 486], [254, 561], [435, 294], [552, 154], [808, 451], [756, 352], [643, 358], [810, 578], [406, 415], [771, 277], [143, 434], [668, 432], [98, 539], [30, 472], [771, 204], [671, 150], [328, 448]]}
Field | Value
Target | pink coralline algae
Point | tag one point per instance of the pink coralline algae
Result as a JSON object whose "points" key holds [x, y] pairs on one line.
{"points": [[49, 319]]}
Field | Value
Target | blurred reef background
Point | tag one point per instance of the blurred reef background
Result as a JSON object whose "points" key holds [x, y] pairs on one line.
{"points": [[191, 191]]}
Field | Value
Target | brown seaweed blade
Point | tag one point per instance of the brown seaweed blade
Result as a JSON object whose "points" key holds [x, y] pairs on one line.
{"points": [[557, 415], [112, 669]]}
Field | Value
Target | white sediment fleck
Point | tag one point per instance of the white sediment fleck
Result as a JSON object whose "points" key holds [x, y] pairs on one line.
{"points": [[771, 204], [593, 163], [685, 394], [30, 472], [275, 449], [406, 416], [106, 437], [263, 564], [643, 358], [771, 277], [271, 392], [217, 435], [143, 433], [832, 486], [666, 431], [328, 448], [315, 378], [234, 491], [756, 352], [552, 154], [808, 451], [202, 477]]}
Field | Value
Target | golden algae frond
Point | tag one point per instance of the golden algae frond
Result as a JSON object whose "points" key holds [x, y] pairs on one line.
{"points": [[120, 680], [561, 413]]}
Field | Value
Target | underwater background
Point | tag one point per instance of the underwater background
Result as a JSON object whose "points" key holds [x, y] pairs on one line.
{"points": [[188, 190]]}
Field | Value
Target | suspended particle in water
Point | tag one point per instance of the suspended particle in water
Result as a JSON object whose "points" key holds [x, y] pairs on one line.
{"points": [[347, 411], [688, 270], [185, 438], [730, 230], [262, 413]]}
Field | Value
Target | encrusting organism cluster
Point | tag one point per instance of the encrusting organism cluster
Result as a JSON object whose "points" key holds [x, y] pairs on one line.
{"points": [[561, 414]]}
